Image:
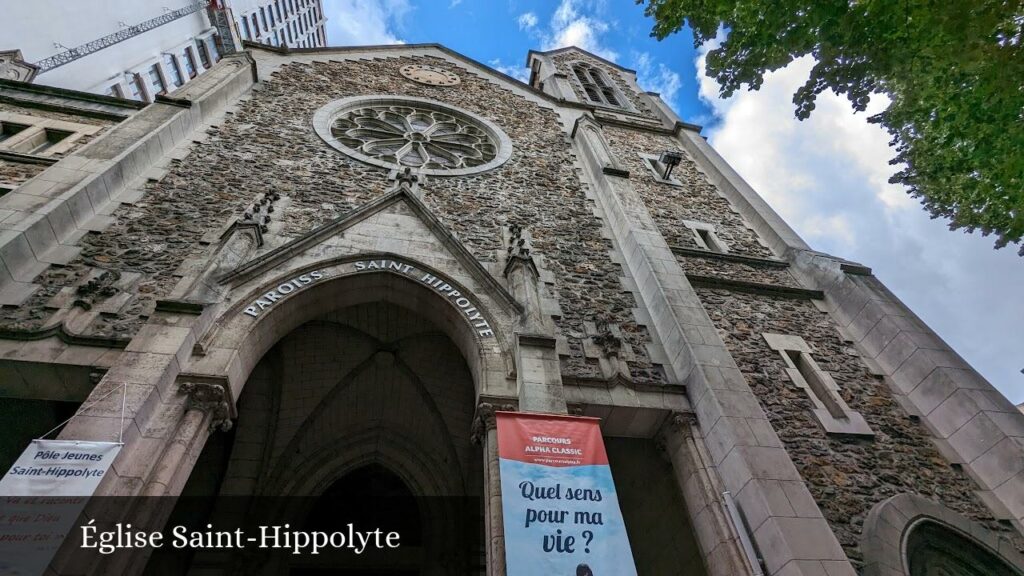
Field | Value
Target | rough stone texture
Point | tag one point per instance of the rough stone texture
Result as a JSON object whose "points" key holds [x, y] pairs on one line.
{"points": [[268, 144], [697, 199], [846, 476], [737, 271], [563, 63], [18, 172]]}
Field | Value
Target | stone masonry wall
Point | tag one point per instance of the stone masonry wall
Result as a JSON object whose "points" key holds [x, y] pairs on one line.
{"points": [[17, 173], [696, 200], [268, 144], [846, 476]]}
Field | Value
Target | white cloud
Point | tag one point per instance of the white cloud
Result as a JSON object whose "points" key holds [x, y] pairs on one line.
{"points": [[828, 177], [570, 27], [527, 20], [657, 77], [521, 73], [454, 3], [364, 22]]}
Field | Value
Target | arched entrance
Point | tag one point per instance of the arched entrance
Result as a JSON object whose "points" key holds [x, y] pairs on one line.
{"points": [[359, 415]]}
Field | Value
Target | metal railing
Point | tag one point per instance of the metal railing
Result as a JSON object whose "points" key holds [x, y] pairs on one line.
{"points": [[72, 54]]}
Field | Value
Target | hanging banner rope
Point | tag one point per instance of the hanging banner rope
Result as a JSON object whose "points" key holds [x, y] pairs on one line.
{"points": [[45, 491], [561, 512]]}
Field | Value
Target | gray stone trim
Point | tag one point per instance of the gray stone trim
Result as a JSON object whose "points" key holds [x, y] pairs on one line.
{"points": [[890, 522], [751, 260], [324, 117], [755, 287], [282, 253], [792, 535], [61, 332], [840, 419]]}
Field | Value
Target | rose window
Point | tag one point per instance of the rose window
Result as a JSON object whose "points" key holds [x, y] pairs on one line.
{"points": [[409, 132]]}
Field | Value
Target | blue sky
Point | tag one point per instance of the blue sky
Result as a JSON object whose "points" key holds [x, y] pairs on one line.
{"points": [[826, 176]]}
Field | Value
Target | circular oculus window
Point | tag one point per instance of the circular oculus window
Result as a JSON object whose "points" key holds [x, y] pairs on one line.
{"points": [[398, 132], [429, 75]]}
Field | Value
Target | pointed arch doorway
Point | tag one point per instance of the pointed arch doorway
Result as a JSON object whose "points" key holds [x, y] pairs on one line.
{"points": [[359, 415]]}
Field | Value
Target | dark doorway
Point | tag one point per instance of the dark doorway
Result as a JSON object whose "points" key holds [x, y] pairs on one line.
{"points": [[369, 498]]}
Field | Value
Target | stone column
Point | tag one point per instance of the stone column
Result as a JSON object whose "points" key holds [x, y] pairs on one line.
{"points": [[539, 371], [702, 491], [791, 535], [208, 409], [485, 433]]}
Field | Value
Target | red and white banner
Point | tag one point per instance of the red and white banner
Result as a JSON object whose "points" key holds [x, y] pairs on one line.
{"points": [[561, 512]]}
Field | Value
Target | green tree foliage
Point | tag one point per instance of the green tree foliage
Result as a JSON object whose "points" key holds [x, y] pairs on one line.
{"points": [[953, 69]]}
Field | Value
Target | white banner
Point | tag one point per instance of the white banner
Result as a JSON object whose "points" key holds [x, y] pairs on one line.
{"points": [[42, 495]]}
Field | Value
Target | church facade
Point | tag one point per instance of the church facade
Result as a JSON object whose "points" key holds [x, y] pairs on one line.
{"points": [[332, 267]]}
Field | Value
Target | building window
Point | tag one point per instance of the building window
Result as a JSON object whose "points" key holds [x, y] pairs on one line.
{"points": [[263, 17], [390, 132], [135, 85], [596, 85], [190, 63], [157, 80], [255, 25], [658, 169], [827, 405], [245, 28], [272, 21], [172, 70], [50, 137], [8, 129], [277, 7], [212, 43], [705, 238], [114, 91], [204, 55]]}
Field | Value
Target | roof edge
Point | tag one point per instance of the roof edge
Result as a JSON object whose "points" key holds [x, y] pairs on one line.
{"points": [[530, 54]]}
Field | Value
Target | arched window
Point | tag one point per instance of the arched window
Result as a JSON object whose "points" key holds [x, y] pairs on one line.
{"points": [[596, 85], [933, 550]]}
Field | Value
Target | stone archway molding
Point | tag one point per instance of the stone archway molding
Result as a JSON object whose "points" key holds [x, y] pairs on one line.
{"points": [[890, 522], [236, 341]]}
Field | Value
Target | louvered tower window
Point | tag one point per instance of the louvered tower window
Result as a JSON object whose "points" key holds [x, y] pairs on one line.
{"points": [[596, 85]]}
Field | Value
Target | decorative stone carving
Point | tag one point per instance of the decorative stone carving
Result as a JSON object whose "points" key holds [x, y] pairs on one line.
{"points": [[101, 286], [519, 248], [213, 397], [604, 342], [261, 209], [486, 419], [14, 67], [427, 136], [430, 75]]}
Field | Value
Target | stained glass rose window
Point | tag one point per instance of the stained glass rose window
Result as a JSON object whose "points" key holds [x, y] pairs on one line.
{"points": [[430, 137]]}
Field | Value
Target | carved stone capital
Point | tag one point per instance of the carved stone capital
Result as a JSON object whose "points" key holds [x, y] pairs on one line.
{"points": [[212, 397], [486, 419], [678, 424]]}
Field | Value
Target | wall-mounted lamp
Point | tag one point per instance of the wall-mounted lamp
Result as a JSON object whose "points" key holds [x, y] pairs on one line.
{"points": [[670, 159]]}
